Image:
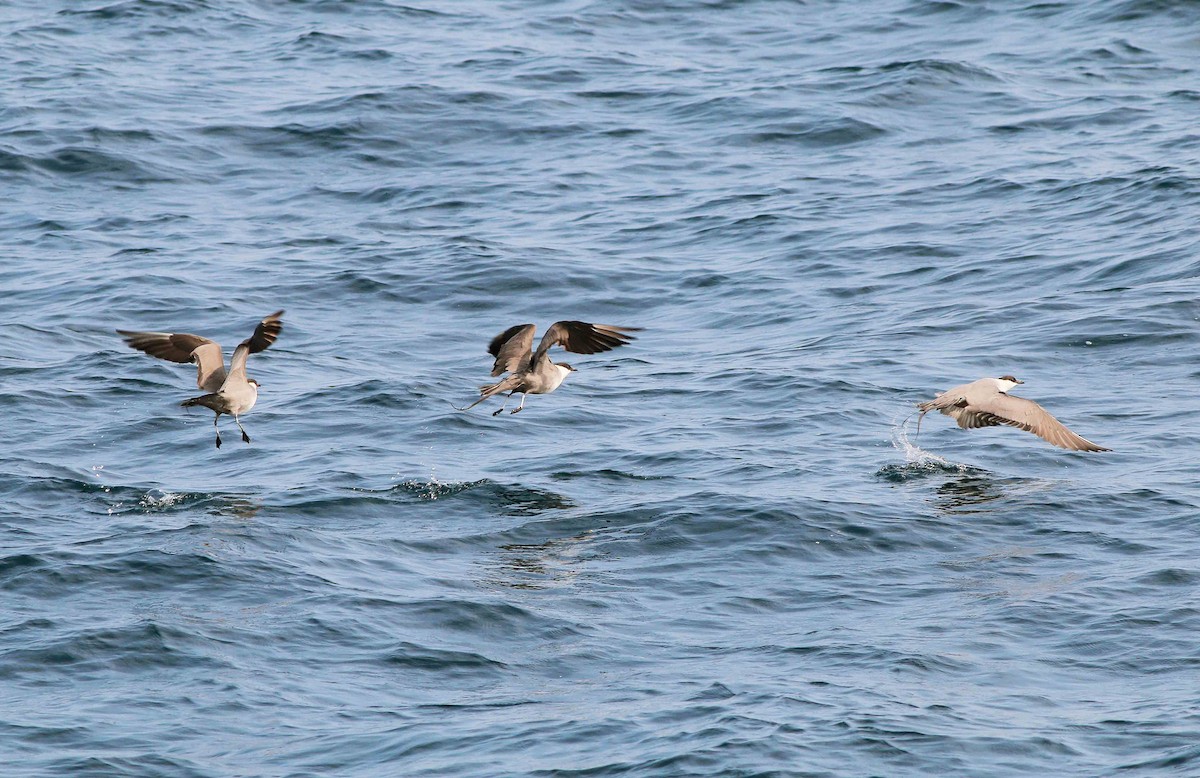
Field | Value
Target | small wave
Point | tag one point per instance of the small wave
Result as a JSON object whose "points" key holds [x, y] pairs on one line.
{"points": [[77, 161], [606, 474], [127, 648], [941, 71], [133, 9], [446, 663], [518, 499], [434, 489], [831, 132], [12, 161]]}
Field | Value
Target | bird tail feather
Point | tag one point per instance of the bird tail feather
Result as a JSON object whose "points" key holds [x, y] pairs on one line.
{"points": [[207, 400], [488, 390]]}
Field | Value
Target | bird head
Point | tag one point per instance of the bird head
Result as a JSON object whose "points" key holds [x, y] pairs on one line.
{"points": [[1007, 382], [566, 367], [253, 383]]}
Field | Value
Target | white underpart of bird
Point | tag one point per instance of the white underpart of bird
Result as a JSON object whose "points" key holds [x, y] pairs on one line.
{"points": [[229, 392], [531, 372], [987, 403]]}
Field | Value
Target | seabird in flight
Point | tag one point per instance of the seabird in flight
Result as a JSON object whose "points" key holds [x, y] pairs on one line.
{"points": [[532, 372], [987, 403], [232, 393]]}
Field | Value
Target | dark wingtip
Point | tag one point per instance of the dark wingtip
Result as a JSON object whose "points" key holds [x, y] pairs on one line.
{"points": [[265, 334], [606, 337]]}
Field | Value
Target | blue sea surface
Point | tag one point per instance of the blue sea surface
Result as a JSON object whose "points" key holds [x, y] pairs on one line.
{"points": [[721, 550]]}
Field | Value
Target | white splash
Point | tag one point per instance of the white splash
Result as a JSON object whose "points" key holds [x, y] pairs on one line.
{"points": [[914, 454], [431, 489], [157, 499]]}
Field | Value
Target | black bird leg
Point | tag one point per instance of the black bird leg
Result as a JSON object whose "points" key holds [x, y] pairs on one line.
{"points": [[238, 422], [500, 410]]}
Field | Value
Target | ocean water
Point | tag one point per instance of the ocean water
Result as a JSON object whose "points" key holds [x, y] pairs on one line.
{"points": [[722, 550]]}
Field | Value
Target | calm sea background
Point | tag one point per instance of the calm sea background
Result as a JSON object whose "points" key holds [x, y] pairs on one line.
{"points": [[717, 551]]}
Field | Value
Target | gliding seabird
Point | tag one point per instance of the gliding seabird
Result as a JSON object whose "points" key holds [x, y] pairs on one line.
{"points": [[987, 403], [230, 393], [532, 372]]}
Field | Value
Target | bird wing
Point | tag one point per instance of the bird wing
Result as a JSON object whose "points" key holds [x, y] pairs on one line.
{"points": [[264, 335], [512, 348], [182, 347], [1023, 414], [583, 338]]}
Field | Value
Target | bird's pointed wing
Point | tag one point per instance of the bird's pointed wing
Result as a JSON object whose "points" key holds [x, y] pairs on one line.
{"points": [[512, 348], [583, 338], [1027, 415], [183, 347], [171, 346], [264, 335]]}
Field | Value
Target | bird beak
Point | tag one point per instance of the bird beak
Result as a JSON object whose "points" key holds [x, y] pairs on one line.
{"points": [[1020, 382]]}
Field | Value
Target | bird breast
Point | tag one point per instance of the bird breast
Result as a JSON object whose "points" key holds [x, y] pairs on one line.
{"points": [[544, 381], [242, 399]]}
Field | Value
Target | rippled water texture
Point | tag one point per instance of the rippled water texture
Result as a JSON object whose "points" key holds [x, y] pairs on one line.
{"points": [[721, 550]]}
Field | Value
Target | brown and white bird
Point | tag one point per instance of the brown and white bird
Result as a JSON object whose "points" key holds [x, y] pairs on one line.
{"points": [[987, 403], [232, 393], [531, 372]]}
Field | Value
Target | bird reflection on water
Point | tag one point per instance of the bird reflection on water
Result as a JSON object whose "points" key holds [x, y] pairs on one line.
{"points": [[969, 493], [239, 508], [539, 565]]}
